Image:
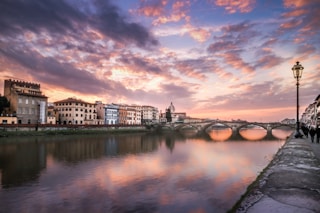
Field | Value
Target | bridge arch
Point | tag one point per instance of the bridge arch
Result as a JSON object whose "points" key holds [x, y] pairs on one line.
{"points": [[292, 126], [205, 127], [253, 124], [181, 126]]}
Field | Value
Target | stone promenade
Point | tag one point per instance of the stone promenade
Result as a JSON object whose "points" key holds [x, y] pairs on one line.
{"points": [[290, 183]]}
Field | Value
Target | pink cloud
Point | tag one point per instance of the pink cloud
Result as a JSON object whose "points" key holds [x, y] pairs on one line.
{"points": [[190, 71], [295, 13], [152, 8], [232, 6], [267, 58], [175, 17], [159, 10], [304, 14], [199, 34], [234, 60], [222, 46], [291, 24], [178, 12], [298, 3]]}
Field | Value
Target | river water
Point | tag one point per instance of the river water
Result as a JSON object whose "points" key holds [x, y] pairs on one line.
{"points": [[137, 172]]}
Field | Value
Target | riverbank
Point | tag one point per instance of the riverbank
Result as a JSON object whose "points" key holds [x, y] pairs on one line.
{"points": [[43, 130], [290, 183]]}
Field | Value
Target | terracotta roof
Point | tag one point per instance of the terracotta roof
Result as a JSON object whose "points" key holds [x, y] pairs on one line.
{"points": [[72, 100]]}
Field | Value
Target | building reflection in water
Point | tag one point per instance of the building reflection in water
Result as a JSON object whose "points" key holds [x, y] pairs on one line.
{"points": [[21, 163]]}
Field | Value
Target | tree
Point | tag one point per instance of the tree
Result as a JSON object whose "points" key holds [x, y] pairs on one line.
{"points": [[4, 103]]}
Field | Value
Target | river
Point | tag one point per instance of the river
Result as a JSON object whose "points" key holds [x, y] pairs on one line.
{"points": [[136, 172]]}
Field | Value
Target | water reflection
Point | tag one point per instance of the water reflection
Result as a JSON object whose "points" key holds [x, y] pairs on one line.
{"points": [[248, 133], [188, 132], [21, 163], [128, 173], [253, 134], [220, 134], [282, 133]]}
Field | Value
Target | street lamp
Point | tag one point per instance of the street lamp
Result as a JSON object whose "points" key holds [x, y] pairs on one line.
{"points": [[297, 73]]}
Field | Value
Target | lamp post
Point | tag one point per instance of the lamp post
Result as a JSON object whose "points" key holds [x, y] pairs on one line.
{"points": [[297, 74]]}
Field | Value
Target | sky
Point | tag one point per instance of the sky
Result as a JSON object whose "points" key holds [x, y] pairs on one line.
{"points": [[218, 59]]}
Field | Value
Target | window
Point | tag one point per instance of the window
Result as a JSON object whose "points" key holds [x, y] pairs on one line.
{"points": [[20, 100], [32, 102]]}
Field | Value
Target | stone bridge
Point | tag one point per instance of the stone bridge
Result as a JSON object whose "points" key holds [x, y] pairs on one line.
{"points": [[203, 127]]}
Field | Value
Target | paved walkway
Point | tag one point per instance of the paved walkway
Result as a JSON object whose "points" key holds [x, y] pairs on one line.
{"points": [[290, 183]]}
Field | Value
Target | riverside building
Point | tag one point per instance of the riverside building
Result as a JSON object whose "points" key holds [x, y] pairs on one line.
{"points": [[111, 114], [311, 115], [76, 111], [150, 114], [27, 102]]}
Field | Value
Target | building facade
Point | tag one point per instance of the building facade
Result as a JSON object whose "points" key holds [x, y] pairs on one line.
{"points": [[135, 114], [149, 114], [76, 111], [122, 114], [52, 115], [311, 115], [100, 107], [8, 120], [111, 114], [27, 102]]}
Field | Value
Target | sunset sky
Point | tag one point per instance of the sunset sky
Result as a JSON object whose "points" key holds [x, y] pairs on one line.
{"points": [[225, 59]]}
